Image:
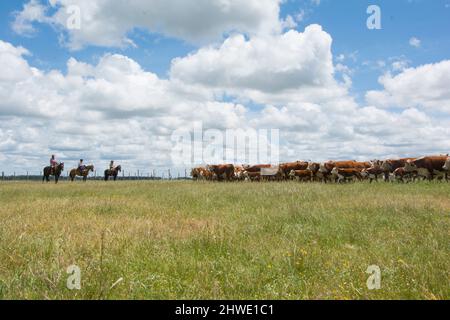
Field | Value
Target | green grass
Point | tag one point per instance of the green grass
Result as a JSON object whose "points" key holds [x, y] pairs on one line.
{"points": [[185, 240]]}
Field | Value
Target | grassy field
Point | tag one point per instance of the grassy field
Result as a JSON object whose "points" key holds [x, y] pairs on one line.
{"points": [[185, 240]]}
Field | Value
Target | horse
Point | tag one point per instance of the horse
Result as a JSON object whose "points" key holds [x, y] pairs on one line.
{"points": [[84, 174], [49, 171], [112, 173]]}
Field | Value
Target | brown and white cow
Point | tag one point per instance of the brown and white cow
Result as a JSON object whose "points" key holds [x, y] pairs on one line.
{"points": [[400, 175], [286, 168], [301, 175], [202, 173], [327, 168], [223, 171], [314, 167], [257, 168], [239, 173], [372, 173], [428, 167], [261, 172], [252, 176], [345, 174], [446, 166], [389, 166], [195, 173]]}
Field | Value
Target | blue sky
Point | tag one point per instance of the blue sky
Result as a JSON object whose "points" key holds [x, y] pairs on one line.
{"points": [[344, 20], [359, 55]]}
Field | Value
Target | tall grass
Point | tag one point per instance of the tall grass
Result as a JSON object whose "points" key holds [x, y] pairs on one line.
{"points": [[185, 240]]}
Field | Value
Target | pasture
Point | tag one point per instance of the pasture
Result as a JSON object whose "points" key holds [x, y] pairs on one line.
{"points": [[187, 240]]}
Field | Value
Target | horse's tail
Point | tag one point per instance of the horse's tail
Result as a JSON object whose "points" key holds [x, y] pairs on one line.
{"points": [[106, 175]]}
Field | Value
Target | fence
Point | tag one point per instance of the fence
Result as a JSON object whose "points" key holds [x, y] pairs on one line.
{"points": [[154, 174]]}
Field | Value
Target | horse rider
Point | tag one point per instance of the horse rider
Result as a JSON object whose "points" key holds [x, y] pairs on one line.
{"points": [[111, 166], [53, 163], [81, 166]]}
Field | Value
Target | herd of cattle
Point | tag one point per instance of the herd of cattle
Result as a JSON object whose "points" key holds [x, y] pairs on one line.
{"points": [[401, 170]]}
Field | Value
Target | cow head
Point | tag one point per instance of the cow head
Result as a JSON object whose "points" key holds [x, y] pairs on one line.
{"points": [[446, 166], [335, 171], [238, 173], [313, 167], [292, 174], [410, 166], [323, 168]]}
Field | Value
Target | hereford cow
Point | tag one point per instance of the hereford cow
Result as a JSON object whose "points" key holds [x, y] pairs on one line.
{"points": [[286, 168], [346, 174], [201, 173], [327, 167], [389, 166], [239, 173], [446, 166], [257, 168], [195, 173], [314, 167], [223, 171], [301, 175], [372, 173], [252, 176], [427, 167], [400, 175]]}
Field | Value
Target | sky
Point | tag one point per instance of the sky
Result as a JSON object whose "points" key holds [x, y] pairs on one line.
{"points": [[119, 83]]}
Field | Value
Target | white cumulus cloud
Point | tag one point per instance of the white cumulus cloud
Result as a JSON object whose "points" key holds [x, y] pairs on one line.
{"points": [[107, 22]]}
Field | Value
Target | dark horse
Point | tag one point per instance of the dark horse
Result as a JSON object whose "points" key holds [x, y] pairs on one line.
{"points": [[112, 173], [49, 171]]}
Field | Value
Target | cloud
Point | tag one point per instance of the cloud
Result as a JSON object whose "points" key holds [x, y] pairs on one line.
{"points": [[424, 87], [32, 11], [115, 109], [270, 64], [414, 42], [107, 22], [96, 111]]}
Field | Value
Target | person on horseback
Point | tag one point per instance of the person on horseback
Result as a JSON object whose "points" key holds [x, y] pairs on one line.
{"points": [[81, 166], [111, 166], [53, 163]]}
